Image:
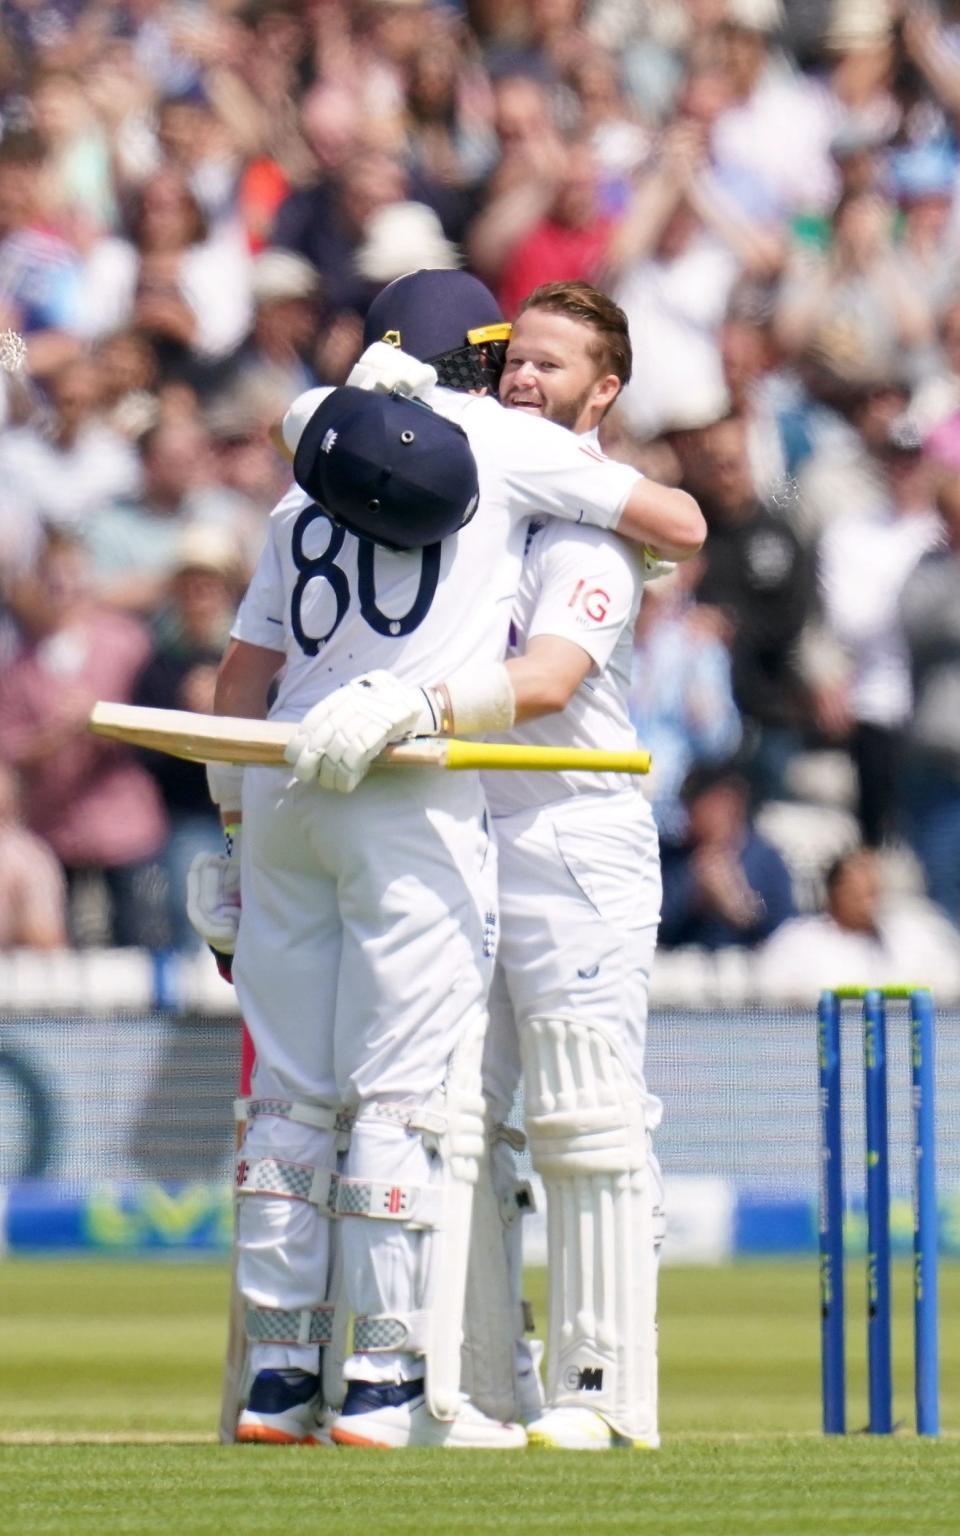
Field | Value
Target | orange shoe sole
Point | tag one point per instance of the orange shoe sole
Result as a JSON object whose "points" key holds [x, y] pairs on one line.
{"points": [[344, 1437], [262, 1434]]}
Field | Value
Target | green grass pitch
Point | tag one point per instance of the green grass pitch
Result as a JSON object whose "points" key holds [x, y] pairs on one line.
{"points": [[109, 1380]]}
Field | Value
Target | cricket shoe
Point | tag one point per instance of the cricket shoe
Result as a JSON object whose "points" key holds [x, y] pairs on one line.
{"points": [[394, 1417], [284, 1408], [580, 1429]]}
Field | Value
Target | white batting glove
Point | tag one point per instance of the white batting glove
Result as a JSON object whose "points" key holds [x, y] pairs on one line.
{"points": [[385, 369], [213, 896], [294, 422], [338, 739]]}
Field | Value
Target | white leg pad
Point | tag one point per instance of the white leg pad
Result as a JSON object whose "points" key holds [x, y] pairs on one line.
{"points": [[588, 1142], [286, 1179], [494, 1316], [435, 1214]]}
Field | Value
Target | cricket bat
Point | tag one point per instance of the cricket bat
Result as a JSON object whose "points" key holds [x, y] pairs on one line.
{"points": [[230, 739]]}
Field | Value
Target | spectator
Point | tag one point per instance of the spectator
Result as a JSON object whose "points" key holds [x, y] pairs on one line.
{"points": [[553, 38], [930, 613], [190, 633], [681, 701], [128, 383], [655, 40], [326, 135], [860, 294], [32, 890], [725, 885], [859, 153], [190, 295], [326, 222], [865, 937], [864, 564], [63, 473], [133, 543], [925, 180], [862, 59], [39, 272], [570, 241], [770, 107], [254, 86], [846, 474], [194, 143], [785, 424], [610, 125], [678, 252], [123, 100], [88, 798], [526, 178], [760, 582], [79, 164], [249, 475], [273, 360], [938, 394], [449, 135]]}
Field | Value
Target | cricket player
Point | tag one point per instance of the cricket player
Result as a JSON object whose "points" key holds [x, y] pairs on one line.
{"points": [[364, 949], [579, 886]]}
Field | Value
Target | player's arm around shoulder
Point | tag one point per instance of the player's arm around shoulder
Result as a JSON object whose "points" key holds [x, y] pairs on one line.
{"points": [[587, 587], [664, 519], [569, 477]]}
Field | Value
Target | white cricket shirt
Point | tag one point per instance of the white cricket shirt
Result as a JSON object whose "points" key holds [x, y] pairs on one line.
{"points": [[583, 585], [337, 606]]}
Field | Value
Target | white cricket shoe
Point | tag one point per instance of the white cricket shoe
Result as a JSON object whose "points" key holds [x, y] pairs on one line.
{"points": [[284, 1408], [580, 1429], [388, 1417]]}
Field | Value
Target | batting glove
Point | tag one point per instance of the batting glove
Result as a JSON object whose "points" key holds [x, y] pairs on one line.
{"points": [[213, 895], [338, 739], [387, 369]]}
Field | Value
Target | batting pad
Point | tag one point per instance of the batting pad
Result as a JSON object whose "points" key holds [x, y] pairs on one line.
{"points": [[588, 1142], [434, 1218], [285, 1185], [494, 1318]]}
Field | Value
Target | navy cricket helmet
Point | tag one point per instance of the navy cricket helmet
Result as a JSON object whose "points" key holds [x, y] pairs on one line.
{"points": [[388, 468], [447, 318]]}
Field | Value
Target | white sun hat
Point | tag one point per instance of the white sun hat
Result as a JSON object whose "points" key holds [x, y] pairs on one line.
{"points": [[403, 237]]}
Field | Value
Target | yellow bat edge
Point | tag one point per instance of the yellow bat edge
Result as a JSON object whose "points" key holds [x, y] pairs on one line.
{"points": [[230, 739]]}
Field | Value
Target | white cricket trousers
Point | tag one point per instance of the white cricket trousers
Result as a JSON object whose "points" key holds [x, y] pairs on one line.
{"points": [[363, 960], [580, 890]]}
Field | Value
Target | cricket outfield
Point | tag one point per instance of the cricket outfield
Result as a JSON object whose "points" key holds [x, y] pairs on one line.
{"points": [[109, 1383]]}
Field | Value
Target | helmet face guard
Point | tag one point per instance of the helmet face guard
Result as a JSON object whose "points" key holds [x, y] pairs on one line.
{"points": [[478, 364]]}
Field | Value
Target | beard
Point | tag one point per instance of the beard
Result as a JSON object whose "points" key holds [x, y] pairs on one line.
{"points": [[566, 413]]}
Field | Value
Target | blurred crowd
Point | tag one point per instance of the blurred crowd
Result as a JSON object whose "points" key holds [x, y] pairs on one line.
{"points": [[198, 202]]}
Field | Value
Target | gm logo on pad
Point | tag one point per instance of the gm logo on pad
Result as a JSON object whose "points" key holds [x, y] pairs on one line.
{"points": [[587, 1378]]}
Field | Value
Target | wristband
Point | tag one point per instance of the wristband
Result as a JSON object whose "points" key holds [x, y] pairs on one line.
{"points": [[476, 700], [231, 837]]}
